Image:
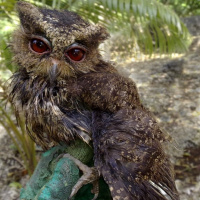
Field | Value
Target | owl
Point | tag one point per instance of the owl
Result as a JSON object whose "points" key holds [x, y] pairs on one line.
{"points": [[66, 91]]}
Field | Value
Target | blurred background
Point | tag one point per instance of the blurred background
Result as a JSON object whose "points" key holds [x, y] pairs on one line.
{"points": [[154, 42]]}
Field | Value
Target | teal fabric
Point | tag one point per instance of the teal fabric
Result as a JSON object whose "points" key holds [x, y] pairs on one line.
{"points": [[53, 179]]}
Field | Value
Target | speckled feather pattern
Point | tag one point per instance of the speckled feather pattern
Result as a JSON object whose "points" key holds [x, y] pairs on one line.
{"points": [[88, 100], [132, 159]]}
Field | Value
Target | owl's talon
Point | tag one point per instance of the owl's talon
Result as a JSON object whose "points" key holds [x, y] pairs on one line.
{"points": [[95, 189], [90, 175]]}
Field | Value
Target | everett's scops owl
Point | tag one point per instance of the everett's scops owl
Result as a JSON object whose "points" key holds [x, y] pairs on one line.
{"points": [[66, 91]]}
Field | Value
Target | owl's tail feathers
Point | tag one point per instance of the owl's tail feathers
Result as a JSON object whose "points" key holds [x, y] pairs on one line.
{"points": [[130, 155], [128, 182]]}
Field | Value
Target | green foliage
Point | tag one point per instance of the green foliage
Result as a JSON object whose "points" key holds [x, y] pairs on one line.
{"points": [[20, 138], [144, 23], [15, 185], [17, 132], [184, 7], [147, 24]]}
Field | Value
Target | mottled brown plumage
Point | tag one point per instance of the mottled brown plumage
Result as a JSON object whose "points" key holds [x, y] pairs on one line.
{"points": [[66, 90]]}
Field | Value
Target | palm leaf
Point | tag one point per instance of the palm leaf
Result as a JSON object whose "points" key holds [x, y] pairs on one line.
{"points": [[129, 20], [120, 14]]}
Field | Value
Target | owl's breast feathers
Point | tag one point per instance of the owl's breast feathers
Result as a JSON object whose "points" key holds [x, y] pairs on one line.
{"points": [[57, 111], [52, 116]]}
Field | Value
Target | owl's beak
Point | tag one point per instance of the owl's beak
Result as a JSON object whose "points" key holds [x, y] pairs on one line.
{"points": [[53, 72]]}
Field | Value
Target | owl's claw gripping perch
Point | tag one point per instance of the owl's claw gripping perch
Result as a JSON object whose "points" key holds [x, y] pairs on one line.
{"points": [[90, 175]]}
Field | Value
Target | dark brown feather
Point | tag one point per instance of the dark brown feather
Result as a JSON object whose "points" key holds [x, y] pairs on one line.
{"points": [[130, 155]]}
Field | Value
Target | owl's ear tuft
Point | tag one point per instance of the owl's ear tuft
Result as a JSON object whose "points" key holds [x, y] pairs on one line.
{"points": [[28, 14], [99, 35], [104, 34]]}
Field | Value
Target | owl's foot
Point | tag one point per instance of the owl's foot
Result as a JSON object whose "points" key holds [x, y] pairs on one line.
{"points": [[90, 175]]}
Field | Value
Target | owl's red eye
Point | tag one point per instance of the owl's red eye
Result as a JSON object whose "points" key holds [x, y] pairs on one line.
{"points": [[76, 54], [39, 46]]}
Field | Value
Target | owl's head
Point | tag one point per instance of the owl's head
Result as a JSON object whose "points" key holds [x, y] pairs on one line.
{"points": [[56, 42]]}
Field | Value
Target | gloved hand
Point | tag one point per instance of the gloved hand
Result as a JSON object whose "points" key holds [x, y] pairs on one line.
{"points": [[53, 178]]}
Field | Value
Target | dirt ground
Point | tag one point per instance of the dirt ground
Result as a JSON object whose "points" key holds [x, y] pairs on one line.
{"points": [[170, 88]]}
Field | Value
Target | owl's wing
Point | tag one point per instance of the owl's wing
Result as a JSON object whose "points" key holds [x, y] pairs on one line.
{"points": [[130, 156], [107, 91]]}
